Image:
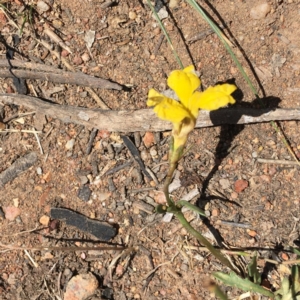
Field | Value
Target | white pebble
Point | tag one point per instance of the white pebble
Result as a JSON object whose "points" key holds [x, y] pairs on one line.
{"points": [[260, 11], [39, 170], [254, 154], [70, 144], [42, 6], [85, 57], [162, 14], [153, 152]]}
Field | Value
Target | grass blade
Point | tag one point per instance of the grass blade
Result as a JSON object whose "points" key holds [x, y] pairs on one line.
{"points": [[166, 34]]}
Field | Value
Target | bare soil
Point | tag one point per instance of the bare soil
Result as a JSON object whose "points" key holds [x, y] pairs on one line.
{"points": [[126, 51]]}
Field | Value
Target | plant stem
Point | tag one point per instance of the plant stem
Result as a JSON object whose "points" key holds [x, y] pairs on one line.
{"points": [[171, 170], [217, 253], [174, 157]]}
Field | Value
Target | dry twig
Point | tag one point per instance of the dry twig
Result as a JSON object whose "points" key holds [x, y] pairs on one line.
{"points": [[145, 119], [55, 75], [277, 161]]}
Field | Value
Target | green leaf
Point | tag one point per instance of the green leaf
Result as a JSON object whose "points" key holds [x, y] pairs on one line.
{"points": [[296, 250], [295, 280], [244, 284], [285, 287], [191, 207], [253, 272], [219, 293]]}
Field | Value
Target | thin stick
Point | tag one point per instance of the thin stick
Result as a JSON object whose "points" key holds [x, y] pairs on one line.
{"points": [[154, 270], [38, 141], [18, 116], [160, 40], [21, 232], [96, 98], [277, 161], [31, 259], [126, 252], [54, 37], [72, 248], [21, 130], [91, 141], [234, 224]]}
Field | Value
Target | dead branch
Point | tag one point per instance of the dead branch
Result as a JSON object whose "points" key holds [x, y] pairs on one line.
{"points": [[48, 73], [70, 248], [145, 119]]}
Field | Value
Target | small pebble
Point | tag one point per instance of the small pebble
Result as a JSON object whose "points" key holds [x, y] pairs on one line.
{"points": [[83, 94], [81, 287], [183, 4], [57, 23], [173, 3], [252, 233], [11, 279], [224, 183], [162, 14], [44, 220], [70, 144], [18, 220], [83, 180], [153, 152], [84, 193], [85, 57], [42, 7], [240, 185], [254, 154], [132, 15], [39, 171], [148, 139], [107, 293], [260, 11], [215, 212], [234, 196], [11, 212], [103, 195]]}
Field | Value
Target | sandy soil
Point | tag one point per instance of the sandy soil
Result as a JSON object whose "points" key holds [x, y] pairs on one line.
{"points": [[163, 260]]}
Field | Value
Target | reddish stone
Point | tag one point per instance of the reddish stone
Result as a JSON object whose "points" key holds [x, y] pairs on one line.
{"points": [[81, 287], [148, 139], [252, 233], [11, 212], [240, 185]]}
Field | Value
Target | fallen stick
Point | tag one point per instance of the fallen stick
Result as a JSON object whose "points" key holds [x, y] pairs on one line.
{"points": [[145, 119], [48, 73], [277, 162]]}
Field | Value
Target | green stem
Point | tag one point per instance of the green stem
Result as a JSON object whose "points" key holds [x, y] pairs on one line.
{"points": [[203, 240], [174, 157], [171, 170], [165, 33]]}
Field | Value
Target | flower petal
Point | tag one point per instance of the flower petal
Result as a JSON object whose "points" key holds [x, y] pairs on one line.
{"points": [[215, 97], [167, 109], [153, 97], [184, 83]]}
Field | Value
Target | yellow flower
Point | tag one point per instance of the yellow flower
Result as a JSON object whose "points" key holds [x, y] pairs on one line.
{"points": [[183, 113]]}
